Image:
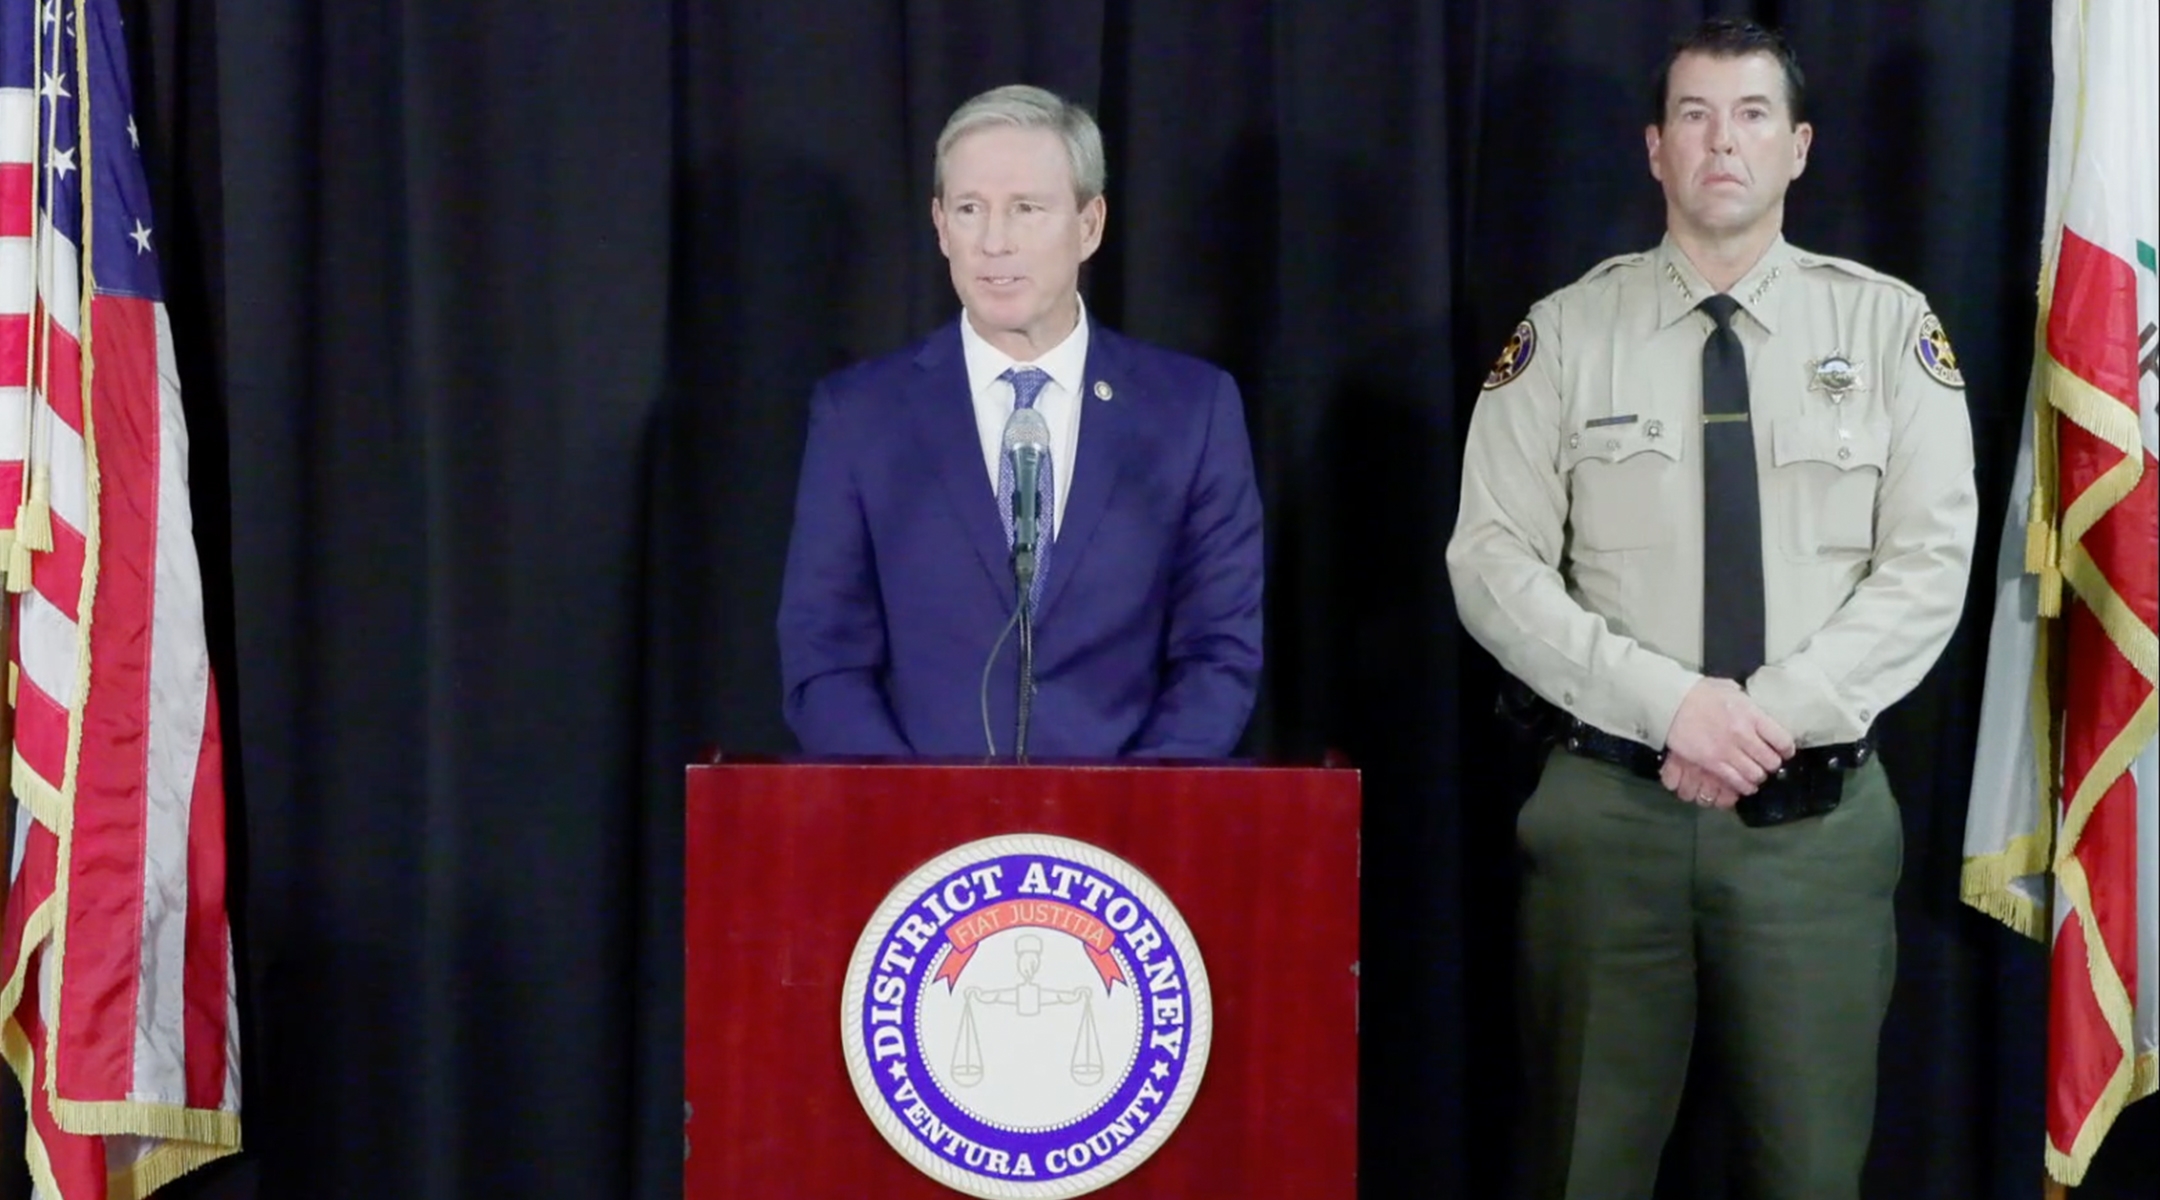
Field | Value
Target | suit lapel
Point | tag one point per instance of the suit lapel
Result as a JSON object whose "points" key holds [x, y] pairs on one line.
{"points": [[943, 412], [1105, 428]]}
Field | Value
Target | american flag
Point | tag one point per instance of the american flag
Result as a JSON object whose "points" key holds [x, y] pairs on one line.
{"points": [[120, 1014]]}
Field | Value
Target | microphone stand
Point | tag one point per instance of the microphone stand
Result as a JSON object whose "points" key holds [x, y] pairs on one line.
{"points": [[1024, 575], [1027, 447], [1025, 560]]}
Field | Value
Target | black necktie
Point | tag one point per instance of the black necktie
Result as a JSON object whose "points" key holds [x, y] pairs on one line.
{"points": [[1732, 506]]}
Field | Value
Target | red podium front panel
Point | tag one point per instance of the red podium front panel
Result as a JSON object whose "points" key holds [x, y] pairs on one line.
{"points": [[787, 863]]}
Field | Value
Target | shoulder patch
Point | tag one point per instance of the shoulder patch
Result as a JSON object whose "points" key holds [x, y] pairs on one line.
{"points": [[1933, 347], [1521, 345]]}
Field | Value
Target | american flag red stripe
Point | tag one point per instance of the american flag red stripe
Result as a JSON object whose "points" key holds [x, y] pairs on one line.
{"points": [[100, 989], [37, 853], [59, 1163], [15, 179], [120, 1003], [41, 726], [57, 573], [208, 981]]}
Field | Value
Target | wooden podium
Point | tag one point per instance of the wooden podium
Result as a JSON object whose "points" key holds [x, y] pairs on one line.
{"points": [[787, 863]]}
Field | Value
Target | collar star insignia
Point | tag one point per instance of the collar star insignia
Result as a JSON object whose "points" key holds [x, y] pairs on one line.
{"points": [[1673, 273], [1762, 289], [1837, 375]]}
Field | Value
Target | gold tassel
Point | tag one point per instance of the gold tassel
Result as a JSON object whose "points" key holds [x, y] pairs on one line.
{"points": [[33, 521], [2038, 558], [2051, 580], [2043, 521], [18, 568]]}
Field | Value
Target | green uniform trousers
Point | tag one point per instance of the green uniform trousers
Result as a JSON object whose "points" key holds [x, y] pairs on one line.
{"points": [[1647, 920]]}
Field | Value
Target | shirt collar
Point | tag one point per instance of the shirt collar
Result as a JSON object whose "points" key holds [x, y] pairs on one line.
{"points": [[1682, 288], [1065, 362]]}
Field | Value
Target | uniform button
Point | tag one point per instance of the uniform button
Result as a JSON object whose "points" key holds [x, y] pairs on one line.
{"points": [[1865, 715], [1654, 428], [1567, 697], [1574, 440], [1844, 451], [1612, 443]]}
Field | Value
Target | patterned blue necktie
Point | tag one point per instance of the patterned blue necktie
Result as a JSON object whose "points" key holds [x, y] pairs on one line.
{"points": [[1027, 384]]}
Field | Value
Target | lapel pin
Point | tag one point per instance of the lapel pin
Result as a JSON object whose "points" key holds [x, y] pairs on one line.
{"points": [[1102, 390]]}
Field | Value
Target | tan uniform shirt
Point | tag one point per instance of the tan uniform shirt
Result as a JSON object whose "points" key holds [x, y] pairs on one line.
{"points": [[1577, 559]]}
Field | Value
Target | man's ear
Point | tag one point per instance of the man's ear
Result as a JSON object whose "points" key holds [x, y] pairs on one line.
{"points": [[1094, 215]]}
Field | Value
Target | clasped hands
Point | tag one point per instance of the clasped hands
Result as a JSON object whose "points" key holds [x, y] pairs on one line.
{"points": [[1721, 746]]}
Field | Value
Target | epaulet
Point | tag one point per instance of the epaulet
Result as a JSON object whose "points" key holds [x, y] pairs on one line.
{"points": [[1810, 261], [1614, 263], [1931, 344]]}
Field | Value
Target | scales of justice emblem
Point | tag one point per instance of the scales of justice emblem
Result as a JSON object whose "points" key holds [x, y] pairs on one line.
{"points": [[1028, 998], [1026, 1016]]}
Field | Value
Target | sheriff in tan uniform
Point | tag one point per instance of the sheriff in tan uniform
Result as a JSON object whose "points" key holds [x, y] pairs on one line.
{"points": [[1578, 554], [1657, 924]]}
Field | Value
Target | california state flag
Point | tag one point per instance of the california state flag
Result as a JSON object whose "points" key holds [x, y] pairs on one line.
{"points": [[2059, 841]]}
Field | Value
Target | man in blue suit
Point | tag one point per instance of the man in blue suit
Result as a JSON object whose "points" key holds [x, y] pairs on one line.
{"points": [[899, 572]]}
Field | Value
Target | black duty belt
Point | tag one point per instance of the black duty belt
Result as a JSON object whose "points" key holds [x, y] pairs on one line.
{"points": [[1810, 783]]}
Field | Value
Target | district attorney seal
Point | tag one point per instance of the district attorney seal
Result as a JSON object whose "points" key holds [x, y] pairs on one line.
{"points": [[1026, 1016]]}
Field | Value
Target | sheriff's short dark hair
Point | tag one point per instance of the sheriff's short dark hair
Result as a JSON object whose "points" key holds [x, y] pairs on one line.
{"points": [[1731, 37]]}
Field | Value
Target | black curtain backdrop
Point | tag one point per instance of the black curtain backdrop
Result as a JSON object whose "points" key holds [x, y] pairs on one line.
{"points": [[496, 324]]}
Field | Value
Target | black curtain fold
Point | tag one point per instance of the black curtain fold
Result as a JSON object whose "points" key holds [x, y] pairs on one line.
{"points": [[496, 324]]}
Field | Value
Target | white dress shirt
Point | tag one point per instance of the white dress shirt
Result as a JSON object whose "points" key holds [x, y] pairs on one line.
{"points": [[1059, 402]]}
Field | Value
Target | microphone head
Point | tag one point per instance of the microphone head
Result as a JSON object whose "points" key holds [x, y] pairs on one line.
{"points": [[1027, 429]]}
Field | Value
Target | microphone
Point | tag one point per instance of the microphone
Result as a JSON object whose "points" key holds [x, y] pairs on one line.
{"points": [[1027, 444], [1027, 447]]}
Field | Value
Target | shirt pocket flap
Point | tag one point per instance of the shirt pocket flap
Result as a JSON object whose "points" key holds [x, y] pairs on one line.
{"points": [[1804, 439], [1619, 443], [1621, 483], [1819, 492]]}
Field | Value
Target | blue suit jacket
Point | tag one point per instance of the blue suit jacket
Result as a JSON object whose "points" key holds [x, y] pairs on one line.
{"points": [[899, 578]]}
